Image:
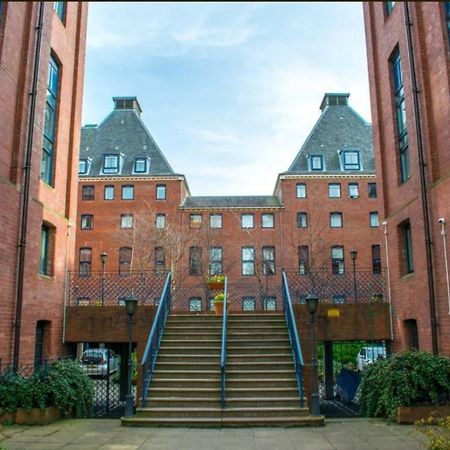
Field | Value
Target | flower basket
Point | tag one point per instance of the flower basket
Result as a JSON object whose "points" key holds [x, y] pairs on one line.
{"points": [[216, 282]]}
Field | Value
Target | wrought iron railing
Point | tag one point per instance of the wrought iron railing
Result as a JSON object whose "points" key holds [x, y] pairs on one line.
{"points": [[112, 287], [223, 352], [154, 339], [358, 286], [293, 337]]}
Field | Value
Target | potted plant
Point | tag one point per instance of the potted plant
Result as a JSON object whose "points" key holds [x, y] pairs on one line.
{"points": [[216, 282], [218, 303]]}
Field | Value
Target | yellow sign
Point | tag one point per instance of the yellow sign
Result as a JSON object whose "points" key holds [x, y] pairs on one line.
{"points": [[334, 312]]}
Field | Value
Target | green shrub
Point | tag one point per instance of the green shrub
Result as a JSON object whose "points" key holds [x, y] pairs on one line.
{"points": [[9, 387], [405, 379]]}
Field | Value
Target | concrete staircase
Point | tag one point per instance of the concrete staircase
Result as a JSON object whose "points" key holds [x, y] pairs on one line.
{"points": [[261, 388]]}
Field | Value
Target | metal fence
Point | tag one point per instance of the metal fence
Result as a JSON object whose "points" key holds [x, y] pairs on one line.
{"points": [[360, 286]]}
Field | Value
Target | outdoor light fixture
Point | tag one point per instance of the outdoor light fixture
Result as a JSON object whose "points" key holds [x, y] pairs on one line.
{"points": [[103, 257], [131, 306], [312, 304], [353, 254]]}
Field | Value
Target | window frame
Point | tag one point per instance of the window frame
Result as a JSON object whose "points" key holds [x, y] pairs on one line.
{"points": [[266, 299], [353, 186], [215, 216], [298, 190], [337, 264], [195, 261], [195, 221], [124, 187], [373, 214], [125, 264], [86, 222], [192, 300], [218, 261], [247, 262], [45, 250], [371, 190], [376, 259], [301, 223], [140, 160], [303, 263], [161, 188], [268, 262], [110, 188], [111, 170], [336, 214], [313, 158], [85, 162], [330, 188], [265, 215], [351, 166], [84, 265], [84, 193], [160, 259], [248, 298], [123, 219], [247, 216], [60, 9], [160, 221]]}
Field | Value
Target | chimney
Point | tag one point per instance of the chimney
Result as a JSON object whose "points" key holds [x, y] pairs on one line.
{"points": [[334, 99], [127, 103]]}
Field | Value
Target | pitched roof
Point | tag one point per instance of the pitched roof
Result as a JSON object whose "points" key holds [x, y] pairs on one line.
{"points": [[247, 201], [339, 128], [121, 133]]}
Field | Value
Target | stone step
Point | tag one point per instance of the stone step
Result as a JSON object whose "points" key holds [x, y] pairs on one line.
{"points": [[276, 392], [185, 383], [175, 349], [174, 392], [270, 366], [181, 340], [233, 374], [194, 374], [164, 357], [265, 411], [264, 401], [194, 336], [184, 402], [221, 422], [256, 335], [242, 350], [188, 359], [184, 365], [262, 383], [180, 412], [233, 341]]}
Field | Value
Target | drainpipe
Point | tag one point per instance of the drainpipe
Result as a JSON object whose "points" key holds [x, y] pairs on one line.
{"points": [[26, 189], [388, 270], [444, 243], [423, 183], [66, 282]]}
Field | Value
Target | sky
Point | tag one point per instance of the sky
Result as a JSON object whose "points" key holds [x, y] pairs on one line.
{"points": [[229, 91]]}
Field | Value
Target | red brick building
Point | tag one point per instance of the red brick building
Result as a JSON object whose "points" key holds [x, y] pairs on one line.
{"points": [[409, 69], [134, 208], [42, 47]]}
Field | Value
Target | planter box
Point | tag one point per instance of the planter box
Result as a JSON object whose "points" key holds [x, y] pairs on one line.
{"points": [[410, 414], [7, 418], [215, 285], [37, 416]]}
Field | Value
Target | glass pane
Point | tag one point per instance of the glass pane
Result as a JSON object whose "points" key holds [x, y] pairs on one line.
{"points": [[248, 304], [301, 190], [247, 220], [248, 253], [267, 220], [195, 304], [216, 221]]}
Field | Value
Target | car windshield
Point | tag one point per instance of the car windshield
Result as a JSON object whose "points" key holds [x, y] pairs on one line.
{"points": [[92, 357], [375, 352]]}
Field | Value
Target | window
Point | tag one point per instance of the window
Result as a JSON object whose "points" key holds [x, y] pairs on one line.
{"points": [[160, 221], [195, 261], [372, 190], [337, 260], [87, 193], [339, 299], [140, 165], [195, 304], [160, 262], [268, 256], [248, 261], [316, 162], [110, 163], [83, 166], [302, 220], [45, 260], [87, 221], [247, 221], [48, 150], [267, 220], [406, 247], [215, 220], [336, 220], [248, 303], [412, 334], [303, 260], [85, 262], [269, 303], [195, 221], [60, 9], [374, 222], [125, 260], [301, 190], [334, 190], [109, 193], [161, 192], [376, 259], [351, 160], [215, 261], [126, 221], [128, 192], [353, 190], [389, 7], [400, 114], [447, 17]]}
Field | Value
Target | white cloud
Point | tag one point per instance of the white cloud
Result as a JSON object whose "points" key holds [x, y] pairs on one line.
{"points": [[228, 36]]}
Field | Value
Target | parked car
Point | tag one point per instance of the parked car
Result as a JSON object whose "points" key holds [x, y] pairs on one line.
{"points": [[367, 355], [95, 362]]}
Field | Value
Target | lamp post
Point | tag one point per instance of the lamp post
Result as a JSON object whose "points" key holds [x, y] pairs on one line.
{"points": [[353, 255], [103, 257], [312, 303], [131, 305]]}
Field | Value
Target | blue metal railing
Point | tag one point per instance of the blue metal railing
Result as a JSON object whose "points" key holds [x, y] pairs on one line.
{"points": [[223, 352], [293, 337], [154, 339]]}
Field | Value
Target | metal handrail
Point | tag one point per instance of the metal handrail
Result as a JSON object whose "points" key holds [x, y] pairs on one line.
{"points": [[154, 339], [293, 337], [223, 352]]}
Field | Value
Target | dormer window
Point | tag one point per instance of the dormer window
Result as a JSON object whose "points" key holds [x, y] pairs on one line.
{"points": [[350, 160], [316, 162], [140, 165], [83, 167], [111, 164]]}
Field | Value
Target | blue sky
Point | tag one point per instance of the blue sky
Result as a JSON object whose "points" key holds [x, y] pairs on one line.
{"points": [[229, 91]]}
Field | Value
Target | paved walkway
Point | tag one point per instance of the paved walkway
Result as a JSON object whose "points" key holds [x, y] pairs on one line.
{"points": [[108, 434]]}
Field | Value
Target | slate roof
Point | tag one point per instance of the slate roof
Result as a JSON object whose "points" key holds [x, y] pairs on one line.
{"points": [[123, 132], [339, 128], [247, 201]]}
